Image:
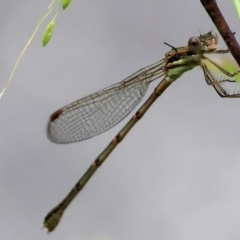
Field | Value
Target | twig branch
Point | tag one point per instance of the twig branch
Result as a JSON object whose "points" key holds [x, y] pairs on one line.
{"points": [[213, 11]]}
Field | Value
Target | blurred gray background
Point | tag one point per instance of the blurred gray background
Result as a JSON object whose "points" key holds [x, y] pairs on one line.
{"points": [[176, 176]]}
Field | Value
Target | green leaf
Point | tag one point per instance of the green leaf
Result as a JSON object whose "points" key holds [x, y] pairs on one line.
{"points": [[237, 6]]}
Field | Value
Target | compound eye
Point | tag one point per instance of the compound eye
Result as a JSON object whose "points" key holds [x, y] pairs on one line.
{"points": [[195, 45], [215, 37]]}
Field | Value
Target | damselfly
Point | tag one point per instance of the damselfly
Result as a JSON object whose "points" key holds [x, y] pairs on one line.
{"points": [[102, 110]]}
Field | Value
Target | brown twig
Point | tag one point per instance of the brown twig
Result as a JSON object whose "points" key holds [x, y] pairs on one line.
{"points": [[213, 11]]}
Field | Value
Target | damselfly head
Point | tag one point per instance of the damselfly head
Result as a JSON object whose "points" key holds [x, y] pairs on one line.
{"points": [[209, 40]]}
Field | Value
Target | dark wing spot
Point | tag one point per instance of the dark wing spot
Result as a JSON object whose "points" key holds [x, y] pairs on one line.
{"points": [[55, 115]]}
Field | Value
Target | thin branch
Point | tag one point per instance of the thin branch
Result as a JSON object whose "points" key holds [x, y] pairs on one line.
{"points": [[213, 11]]}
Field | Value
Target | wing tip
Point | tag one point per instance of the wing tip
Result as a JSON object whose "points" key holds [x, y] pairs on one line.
{"points": [[50, 134]]}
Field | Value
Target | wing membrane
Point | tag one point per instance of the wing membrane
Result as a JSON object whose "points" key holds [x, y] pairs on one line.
{"points": [[96, 113]]}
